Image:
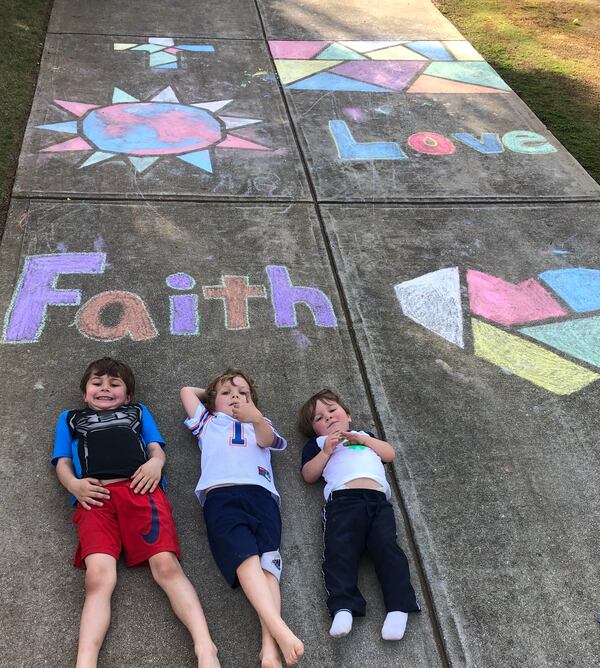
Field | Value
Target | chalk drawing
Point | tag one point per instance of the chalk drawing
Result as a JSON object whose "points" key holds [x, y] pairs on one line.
{"points": [[529, 361], [417, 66], [349, 149], [431, 143], [433, 301], [523, 141], [36, 289], [488, 144], [163, 51], [578, 338], [184, 317], [285, 296], [134, 320], [235, 292], [579, 287], [510, 304], [143, 132]]}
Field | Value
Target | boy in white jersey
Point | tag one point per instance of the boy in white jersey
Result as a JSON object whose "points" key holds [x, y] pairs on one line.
{"points": [[240, 501], [357, 515]]}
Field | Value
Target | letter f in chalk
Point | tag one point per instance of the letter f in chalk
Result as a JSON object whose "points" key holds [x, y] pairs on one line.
{"points": [[349, 149]]}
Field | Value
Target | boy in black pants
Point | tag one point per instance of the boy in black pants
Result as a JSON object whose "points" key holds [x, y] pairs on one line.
{"points": [[357, 515]]}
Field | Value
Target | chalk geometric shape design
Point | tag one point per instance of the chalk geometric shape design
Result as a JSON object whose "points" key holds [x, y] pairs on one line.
{"points": [[120, 46], [509, 304], [462, 50], [529, 361], [578, 338], [387, 73], [163, 41], [366, 46], [196, 48], [433, 301], [579, 287], [167, 66], [349, 149], [478, 73], [70, 127], [431, 49], [144, 131], [427, 84], [76, 144], [398, 52], [150, 48], [162, 58], [333, 82], [292, 70], [163, 52], [339, 52], [296, 50]]}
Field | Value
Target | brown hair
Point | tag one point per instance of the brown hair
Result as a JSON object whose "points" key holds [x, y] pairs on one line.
{"points": [[228, 375], [307, 411], [109, 367]]}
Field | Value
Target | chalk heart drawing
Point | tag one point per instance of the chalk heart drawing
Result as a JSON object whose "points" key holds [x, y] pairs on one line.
{"points": [[145, 131], [163, 51], [418, 66], [560, 302]]}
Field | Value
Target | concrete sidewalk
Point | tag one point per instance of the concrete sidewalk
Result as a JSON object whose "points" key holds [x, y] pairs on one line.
{"points": [[348, 196]]}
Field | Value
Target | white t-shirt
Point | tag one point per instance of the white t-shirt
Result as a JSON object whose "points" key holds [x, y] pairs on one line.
{"points": [[352, 461], [230, 453]]}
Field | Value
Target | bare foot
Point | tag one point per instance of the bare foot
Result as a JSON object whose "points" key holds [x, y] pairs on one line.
{"points": [[269, 657], [291, 647], [207, 658]]}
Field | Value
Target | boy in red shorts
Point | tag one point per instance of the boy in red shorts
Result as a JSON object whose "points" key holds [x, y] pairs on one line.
{"points": [[110, 456]]}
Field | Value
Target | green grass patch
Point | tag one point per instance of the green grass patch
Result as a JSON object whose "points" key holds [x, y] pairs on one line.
{"points": [[23, 28]]}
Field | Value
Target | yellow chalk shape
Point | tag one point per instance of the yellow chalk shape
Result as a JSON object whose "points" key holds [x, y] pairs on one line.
{"points": [[119, 46], [292, 70], [529, 361], [395, 53], [462, 50]]}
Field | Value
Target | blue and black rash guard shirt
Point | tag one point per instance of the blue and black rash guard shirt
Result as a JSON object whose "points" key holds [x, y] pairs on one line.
{"points": [[105, 444]]}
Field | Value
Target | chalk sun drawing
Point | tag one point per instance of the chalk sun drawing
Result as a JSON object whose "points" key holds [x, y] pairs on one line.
{"points": [[502, 317], [147, 131]]}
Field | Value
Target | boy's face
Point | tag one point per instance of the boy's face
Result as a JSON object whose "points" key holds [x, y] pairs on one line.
{"points": [[232, 394], [105, 393], [330, 418]]}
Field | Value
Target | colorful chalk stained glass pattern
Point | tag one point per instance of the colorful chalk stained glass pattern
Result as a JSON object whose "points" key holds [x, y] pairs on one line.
{"points": [[163, 51], [560, 309], [418, 66], [144, 132]]}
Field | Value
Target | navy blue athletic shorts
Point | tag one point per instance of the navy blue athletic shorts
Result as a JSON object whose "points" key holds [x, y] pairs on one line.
{"points": [[243, 521]]}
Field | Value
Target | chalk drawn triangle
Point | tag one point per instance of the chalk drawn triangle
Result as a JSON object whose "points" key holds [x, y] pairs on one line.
{"points": [[433, 301], [212, 106], [233, 141], [76, 144], [427, 84], [150, 48], [431, 49], [166, 95], [296, 50], [339, 52], [399, 52], [480, 74], [200, 159], [70, 127], [461, 49], [76, 108], [95, 158], [366, 46], [292, 70], [578, 287], [120, 46], [161, 58], [579, 338], [387, 73], [528, 360], [233, 122], [121, 96], [333, 82], [508, 303], [141, 164]]}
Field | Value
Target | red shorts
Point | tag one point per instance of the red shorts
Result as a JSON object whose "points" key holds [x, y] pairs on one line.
{"points": [[141, 524]]}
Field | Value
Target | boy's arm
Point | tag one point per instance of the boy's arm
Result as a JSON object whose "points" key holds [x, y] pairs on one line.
{"points": [[88, 491], [313, 469], [149, 474], [264, 432], [381, 448], [191, 398]]}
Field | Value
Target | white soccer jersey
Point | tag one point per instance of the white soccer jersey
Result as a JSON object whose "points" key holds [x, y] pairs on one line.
{"points": [[230, 453], [352, 461]]}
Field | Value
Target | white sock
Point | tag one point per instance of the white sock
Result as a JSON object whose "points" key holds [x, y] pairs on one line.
{"points": [[342, 624], [394, 625]]}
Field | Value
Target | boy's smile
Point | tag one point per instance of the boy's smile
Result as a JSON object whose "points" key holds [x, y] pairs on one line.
{"points": [[232, 394], [330, 418], [105, 393]]}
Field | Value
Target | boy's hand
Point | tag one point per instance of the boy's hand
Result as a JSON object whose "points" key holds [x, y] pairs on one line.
{"points": [[331, 443], [147, 477], [353, 438], [247, 413], [89, 492]]}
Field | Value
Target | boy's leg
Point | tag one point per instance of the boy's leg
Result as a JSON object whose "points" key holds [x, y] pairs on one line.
{"points": [[167, 572], [255, 584], [100, 581], [269, 652]]}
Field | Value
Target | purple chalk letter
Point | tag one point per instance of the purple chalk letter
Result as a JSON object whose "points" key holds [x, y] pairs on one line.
{"points": [[285, 296], [36, 290]]}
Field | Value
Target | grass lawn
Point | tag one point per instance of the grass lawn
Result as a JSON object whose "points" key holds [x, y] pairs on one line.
{"points": [[23, 27], [548, 52]]}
